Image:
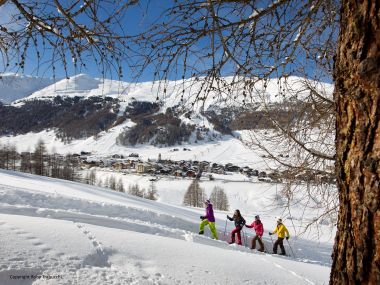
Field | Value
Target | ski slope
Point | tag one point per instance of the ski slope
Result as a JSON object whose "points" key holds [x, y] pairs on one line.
{"points": [[59, 232]]}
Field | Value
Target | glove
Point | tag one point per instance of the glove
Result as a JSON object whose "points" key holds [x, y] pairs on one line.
{"points": [[287, 238], [270, 233], [202, 217]]}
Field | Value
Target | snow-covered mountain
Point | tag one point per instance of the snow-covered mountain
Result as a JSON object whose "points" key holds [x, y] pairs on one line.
{"points": [[90, 114], [60, 232], [15, 86], [170, 93]]}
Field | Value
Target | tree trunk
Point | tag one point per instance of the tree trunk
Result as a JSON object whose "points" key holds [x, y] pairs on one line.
{"points": [[356, 257]]}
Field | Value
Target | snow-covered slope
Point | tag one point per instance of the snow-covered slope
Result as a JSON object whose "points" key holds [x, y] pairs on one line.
{"points": [[16, 86], [171, 92], [212, 148], [81, 85], [77, 234]]}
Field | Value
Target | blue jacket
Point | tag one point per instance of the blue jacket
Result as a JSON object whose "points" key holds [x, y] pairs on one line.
{"points": [[239, 221]]}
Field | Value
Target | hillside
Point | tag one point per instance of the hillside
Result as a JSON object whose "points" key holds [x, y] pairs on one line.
{"points": [[71, 232], [105, 116]]}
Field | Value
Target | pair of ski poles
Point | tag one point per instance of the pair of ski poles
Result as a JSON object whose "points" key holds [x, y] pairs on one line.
{"points": [[245, 238], [291, 249]]}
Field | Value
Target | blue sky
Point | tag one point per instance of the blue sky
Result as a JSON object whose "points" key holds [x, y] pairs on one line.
{"points": [[137, 19]]}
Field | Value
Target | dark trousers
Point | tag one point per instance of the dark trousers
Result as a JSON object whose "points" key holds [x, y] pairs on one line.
{"points": [[279, 242], [236, 231], [253, 246]]}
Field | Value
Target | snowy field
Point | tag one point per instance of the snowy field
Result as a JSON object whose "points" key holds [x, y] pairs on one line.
{"points": [[59, 232]]}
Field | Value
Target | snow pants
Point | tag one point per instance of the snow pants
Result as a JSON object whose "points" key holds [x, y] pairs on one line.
{"points": [[211, 225], [279, 242], [258, 238], [237, 232]]}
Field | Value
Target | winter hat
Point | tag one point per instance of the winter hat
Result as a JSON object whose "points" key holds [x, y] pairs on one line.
{"points": [[257, 217], [208, 201], [279, 221]]}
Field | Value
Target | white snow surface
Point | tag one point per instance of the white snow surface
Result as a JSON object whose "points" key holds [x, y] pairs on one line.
{"points": [[78, 234]]}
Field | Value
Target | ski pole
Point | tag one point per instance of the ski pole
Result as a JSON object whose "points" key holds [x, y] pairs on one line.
{"points": [[225, 230], [291, 248], [244, 238], [271, 241], [265, 248]]}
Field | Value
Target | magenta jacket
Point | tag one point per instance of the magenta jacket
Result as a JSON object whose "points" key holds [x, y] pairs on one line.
{"points": [[210, 213], [258, 226]]}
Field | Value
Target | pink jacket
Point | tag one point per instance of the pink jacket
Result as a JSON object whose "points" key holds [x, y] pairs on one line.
{"points": [[258, 226]]}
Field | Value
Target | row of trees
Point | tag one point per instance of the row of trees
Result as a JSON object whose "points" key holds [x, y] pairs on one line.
{"points": [[195, 197], [39, 162], [109, 182], [150, 193], [118, 185]]}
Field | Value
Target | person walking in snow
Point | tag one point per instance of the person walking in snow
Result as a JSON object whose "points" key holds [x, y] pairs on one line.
{"points": [[259, 230], [239, 224], [209, 220], [281, 231]]}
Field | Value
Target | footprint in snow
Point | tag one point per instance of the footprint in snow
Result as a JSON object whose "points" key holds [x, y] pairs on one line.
{"points": [[30, 237], [46, 249], [16, 259]]}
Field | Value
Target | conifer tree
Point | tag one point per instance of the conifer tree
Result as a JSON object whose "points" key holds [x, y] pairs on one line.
{"points": [[38, 158], [136, 191], [219, 199], [151, 193], [120, 185], [195, 195]]}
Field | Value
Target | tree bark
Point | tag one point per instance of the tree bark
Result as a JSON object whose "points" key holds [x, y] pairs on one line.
{"points": [[356, 256]]}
